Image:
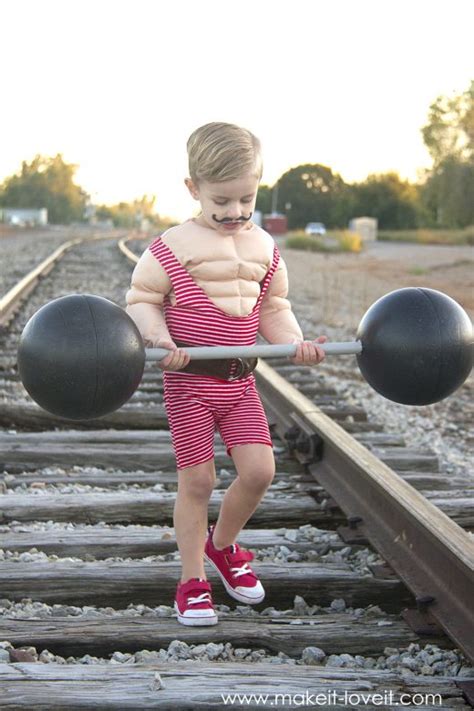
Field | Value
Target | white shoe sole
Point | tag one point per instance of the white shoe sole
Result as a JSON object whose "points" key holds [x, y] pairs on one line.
{"points": [[237, 596], [195, 621]]}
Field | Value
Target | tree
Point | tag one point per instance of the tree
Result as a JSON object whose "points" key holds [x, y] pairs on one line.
{"points": [[46, 182], [450, 129], [264, 199], [448, 194], [392, 201], [129, 214], [313, 191], [448, 191]]}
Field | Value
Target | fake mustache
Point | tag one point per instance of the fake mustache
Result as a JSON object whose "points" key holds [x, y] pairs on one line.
{"points": [[229, 219]]}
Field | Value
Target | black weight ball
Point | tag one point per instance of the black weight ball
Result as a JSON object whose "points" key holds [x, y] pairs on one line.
{"points": [[81, 357], [416, 346]]}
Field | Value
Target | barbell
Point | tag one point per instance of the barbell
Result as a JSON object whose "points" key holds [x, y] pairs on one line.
{"points": [[81, 356]]}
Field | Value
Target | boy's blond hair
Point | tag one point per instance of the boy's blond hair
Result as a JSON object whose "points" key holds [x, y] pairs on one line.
{"points": [[218, 152]]}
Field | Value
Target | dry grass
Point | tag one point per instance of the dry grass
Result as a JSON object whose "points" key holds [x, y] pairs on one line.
{"points": [[429, 236], [339, 287]]}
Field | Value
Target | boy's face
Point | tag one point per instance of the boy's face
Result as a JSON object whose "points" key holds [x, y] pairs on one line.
{"points": [[228, 206]]}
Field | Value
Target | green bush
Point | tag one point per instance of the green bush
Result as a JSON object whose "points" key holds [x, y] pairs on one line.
{"points": [[429, 236], [336, 241]]}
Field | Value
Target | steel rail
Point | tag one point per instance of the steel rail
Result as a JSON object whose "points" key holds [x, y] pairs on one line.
{"points": [[13, 298], [431, 554], [122, 245]]}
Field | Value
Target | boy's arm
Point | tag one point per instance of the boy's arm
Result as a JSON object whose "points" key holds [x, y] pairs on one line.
{"points": [[278, 323], [150, 284]]}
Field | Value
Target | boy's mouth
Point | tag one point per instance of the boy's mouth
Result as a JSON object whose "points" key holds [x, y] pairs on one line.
{"points": [[230, 225]]}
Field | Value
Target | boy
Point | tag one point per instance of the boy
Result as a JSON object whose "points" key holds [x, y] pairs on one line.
{"points": [[216, 279]]}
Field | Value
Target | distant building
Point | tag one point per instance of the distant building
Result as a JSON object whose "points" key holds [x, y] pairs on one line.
{"points": [[275, 223], [23, 217], [366, 227]]}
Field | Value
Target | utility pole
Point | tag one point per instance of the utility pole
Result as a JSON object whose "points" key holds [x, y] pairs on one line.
{"points": [[275, 198]]}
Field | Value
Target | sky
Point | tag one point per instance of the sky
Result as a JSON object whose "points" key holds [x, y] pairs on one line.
{"points": [[118, 86]]}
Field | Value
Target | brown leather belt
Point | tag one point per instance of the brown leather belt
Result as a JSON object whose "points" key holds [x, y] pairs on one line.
{"points": [[222, 368]]}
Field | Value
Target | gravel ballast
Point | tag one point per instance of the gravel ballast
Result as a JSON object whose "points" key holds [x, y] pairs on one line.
{"points": [[415, 659], [329, 295]]}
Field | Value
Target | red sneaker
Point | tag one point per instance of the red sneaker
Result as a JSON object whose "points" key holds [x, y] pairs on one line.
{"points": [[232, 565], [193, 603]]}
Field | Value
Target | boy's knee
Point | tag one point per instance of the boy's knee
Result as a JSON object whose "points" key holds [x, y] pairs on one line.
{"points": [[198, 481], [259, 478]]}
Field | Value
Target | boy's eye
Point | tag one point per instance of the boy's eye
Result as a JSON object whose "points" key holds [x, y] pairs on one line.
{"points": [[225, 201]]}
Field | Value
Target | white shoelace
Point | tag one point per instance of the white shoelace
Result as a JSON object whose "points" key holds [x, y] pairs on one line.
{"points": [[203, 597], [241, 570]]}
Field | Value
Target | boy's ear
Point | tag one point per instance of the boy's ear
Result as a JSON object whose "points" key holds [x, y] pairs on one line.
{"points": [[192, 188]]}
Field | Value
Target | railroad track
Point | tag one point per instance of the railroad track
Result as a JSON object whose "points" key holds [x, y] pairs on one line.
{"points": [[369, 582]]}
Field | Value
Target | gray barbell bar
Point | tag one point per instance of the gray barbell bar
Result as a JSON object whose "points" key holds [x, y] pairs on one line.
{"points": [[258, 351]]}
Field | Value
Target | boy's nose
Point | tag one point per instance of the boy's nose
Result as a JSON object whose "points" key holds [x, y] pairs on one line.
{"points": [[234, 212]]}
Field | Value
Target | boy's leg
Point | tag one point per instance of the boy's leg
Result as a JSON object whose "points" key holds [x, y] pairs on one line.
{"points": [[192, 431], [195, 485], [255, 466]]}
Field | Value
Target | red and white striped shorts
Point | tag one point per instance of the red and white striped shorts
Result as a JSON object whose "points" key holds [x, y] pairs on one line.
{"points": [[198, 406]]}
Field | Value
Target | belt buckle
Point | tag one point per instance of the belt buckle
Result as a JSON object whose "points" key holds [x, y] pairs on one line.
{"points": [[240, 372]]}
